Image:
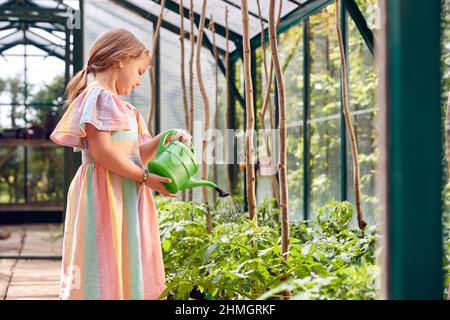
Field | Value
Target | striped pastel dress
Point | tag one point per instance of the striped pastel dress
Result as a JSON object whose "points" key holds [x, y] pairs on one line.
{"points": [[111, 247]]}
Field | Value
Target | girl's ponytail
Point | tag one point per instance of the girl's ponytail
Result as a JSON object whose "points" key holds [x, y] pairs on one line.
{"points": [[76, 85]]}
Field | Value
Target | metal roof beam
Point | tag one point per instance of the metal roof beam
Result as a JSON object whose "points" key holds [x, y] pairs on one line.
{"points": [[32, 34], [10, 13], [175, 7], [29, 42], [27, 5], [33, 24], [153, 18], [361, 23], [35, 4], [50, 27], [12, 40], [8, 3], [255, 15], [12, 25], [49, 30], [296, 2], [293, 18]]}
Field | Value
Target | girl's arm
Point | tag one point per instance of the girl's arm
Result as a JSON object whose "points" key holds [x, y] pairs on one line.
{"points": [[148, 150], [105, 155]]}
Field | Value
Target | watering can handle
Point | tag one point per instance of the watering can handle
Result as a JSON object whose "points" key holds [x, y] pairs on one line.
{"points": [[162, 140]]}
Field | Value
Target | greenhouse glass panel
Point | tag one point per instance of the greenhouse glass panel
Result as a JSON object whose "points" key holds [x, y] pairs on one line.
{"points": [[363, 85], [220, 125], [291, 47], [12, 177], [287, 7], [104, 15], [49, 4], [172, 114], [240, 141], [264, 188], [216, 8], [155, 9], [173, 18], [324, 122], [44, 164]]}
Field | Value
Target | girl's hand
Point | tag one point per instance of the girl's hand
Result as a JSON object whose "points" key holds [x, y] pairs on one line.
{"points": [[183, 136], [155, 182]]}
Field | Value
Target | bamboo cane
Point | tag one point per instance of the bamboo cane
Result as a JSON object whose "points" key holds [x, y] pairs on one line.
{"points": [[348, 122], [266, 101], [191, 77], [285, 237], [227, 79], [250, 116], [205, 110], [152, 68], [216, 101], [183, 77]]}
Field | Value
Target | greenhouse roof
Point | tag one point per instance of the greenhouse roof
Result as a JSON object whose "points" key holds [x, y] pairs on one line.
{"points": [[40, 23], [292, 11], [30, 37], [16, 16]]}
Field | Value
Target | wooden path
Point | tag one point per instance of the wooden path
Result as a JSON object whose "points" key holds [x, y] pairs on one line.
{"points": [[30, 262]]}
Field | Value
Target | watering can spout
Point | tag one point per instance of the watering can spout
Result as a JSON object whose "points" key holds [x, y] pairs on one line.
{"points": [[199, 183], [192, 183]]}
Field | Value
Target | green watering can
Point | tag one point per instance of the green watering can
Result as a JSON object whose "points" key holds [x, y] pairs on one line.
{"points": [[176, 161]]}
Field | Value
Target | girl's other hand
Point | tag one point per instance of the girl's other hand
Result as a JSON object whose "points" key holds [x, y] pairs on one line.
{"points": [[183, 136], [155, 182]]}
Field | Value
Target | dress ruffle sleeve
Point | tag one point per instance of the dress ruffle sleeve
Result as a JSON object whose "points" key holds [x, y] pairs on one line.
{"points": [[96, 106]]}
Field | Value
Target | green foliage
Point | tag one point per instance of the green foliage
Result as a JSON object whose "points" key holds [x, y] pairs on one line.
{"points": [[351, 283], [268, 213], [242, 260], [225, 263], [52, 93], [334, 216], [44, 180], [2, 85]]}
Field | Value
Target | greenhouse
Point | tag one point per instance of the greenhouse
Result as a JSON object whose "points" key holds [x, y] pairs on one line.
{"points": [[318, 168]]}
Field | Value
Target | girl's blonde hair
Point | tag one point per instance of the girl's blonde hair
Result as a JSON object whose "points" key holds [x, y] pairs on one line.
{"points": [[108, 48]]}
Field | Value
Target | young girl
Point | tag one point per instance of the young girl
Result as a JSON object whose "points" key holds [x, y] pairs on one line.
{"points": [[111, 246]]}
